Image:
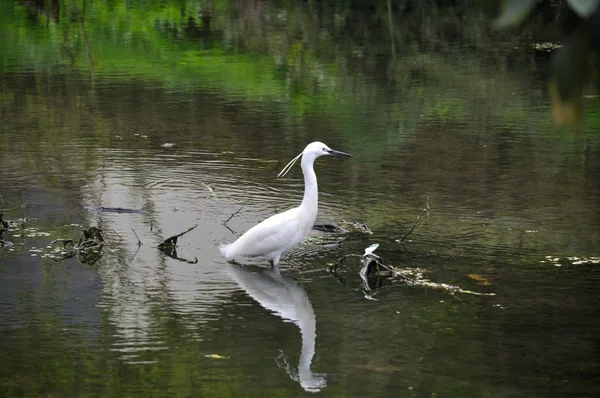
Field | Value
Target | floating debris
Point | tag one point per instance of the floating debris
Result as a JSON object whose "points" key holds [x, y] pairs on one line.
{"points": [[547, 46], [215, 356], [6, 244], [102, 209], [88, 249], [168, 145], [572, 260], [12, 225], [209, 189], [479, 279], [374, 272]]}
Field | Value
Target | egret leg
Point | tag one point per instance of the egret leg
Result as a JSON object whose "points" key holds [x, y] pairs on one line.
{"points": [[275, 261], [275, 264]]}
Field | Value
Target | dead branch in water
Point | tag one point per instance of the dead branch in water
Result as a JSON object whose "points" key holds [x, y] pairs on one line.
{"points": [[236, 213], [22, 205], [425, 211], [169, 247], [374, 273], [138, 238], [88, 249], [116, 233], [171, 242]]}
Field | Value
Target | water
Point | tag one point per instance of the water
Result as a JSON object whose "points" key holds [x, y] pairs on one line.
{"points": [[88, 104]]}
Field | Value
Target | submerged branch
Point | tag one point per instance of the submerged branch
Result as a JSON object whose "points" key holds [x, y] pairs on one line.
{"points": [[139, 242], [236, 213], [169, 247], [88, 249], [425, 211], [374, 274], [171, 243], [13, 208]]}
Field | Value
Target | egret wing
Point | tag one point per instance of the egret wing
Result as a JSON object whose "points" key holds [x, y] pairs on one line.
{"points": [[271, 235]]}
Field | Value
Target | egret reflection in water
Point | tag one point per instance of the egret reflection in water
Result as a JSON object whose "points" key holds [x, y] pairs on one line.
{"points": [[288, 300]]}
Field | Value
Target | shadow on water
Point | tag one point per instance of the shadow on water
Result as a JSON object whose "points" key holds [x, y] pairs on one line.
{"points": [[284, 297]]}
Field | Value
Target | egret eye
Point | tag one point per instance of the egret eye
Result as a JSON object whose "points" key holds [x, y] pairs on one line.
{"points": [[324, 149]]}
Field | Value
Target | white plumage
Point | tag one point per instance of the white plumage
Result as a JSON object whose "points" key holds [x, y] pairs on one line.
{"points": [[280, 233]]}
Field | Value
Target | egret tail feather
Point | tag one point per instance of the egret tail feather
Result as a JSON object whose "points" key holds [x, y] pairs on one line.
{"points": [[226, 250]]}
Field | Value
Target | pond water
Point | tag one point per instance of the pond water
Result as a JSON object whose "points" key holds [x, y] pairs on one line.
{"points": [[190, 120]]}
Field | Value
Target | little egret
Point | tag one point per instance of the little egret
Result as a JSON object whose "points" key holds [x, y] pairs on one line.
{"points": [[280, 233]]}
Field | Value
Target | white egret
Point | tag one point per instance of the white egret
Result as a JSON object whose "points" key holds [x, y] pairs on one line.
{"points": [[280, 233]]}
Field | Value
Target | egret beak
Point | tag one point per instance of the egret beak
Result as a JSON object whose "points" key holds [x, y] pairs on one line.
{"points": [[338, 153]]}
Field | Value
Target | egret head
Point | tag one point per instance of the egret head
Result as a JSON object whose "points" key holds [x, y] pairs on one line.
{"points": [[317, 149], [312, 151]]}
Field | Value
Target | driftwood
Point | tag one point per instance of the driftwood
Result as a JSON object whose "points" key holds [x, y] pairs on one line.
{"points": [[374, 274], [88, 249], [169, 246], [6, 224], [102, 209]]}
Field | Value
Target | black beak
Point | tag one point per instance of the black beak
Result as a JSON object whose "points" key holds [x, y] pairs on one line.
{"points": [[338, 153]]}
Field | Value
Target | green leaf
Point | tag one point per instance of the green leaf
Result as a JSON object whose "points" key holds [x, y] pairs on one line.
{"points": [[583, 8], [513, 12]]}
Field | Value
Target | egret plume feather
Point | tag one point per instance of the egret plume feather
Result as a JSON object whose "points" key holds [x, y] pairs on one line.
{"points": [[289, 165]]}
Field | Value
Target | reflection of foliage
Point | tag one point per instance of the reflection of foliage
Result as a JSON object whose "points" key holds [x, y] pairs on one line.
{"points": [[571, 67], [309, 57]]}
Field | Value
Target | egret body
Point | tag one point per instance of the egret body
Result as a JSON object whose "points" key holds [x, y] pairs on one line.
{"points": [[280, 233]]}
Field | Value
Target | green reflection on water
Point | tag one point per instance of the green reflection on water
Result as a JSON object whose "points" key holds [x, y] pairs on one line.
{"points": [[459, 117]]}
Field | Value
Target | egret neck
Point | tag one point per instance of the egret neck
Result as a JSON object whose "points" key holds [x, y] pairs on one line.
{"points": [[310, 201]]}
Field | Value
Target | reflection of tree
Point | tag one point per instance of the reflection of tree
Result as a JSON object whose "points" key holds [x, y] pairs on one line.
{"points": [[87, 44], [37, 7]]}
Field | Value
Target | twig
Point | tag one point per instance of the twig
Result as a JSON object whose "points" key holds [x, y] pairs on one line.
{"points": [[120, 237], [136, 252], [183, 233], [138, 238], [1, 199], [90, 242], [425, 211], [310, 271], [341, 261], [230, 230], [12, 208], [171, 243], [238, 210]]}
